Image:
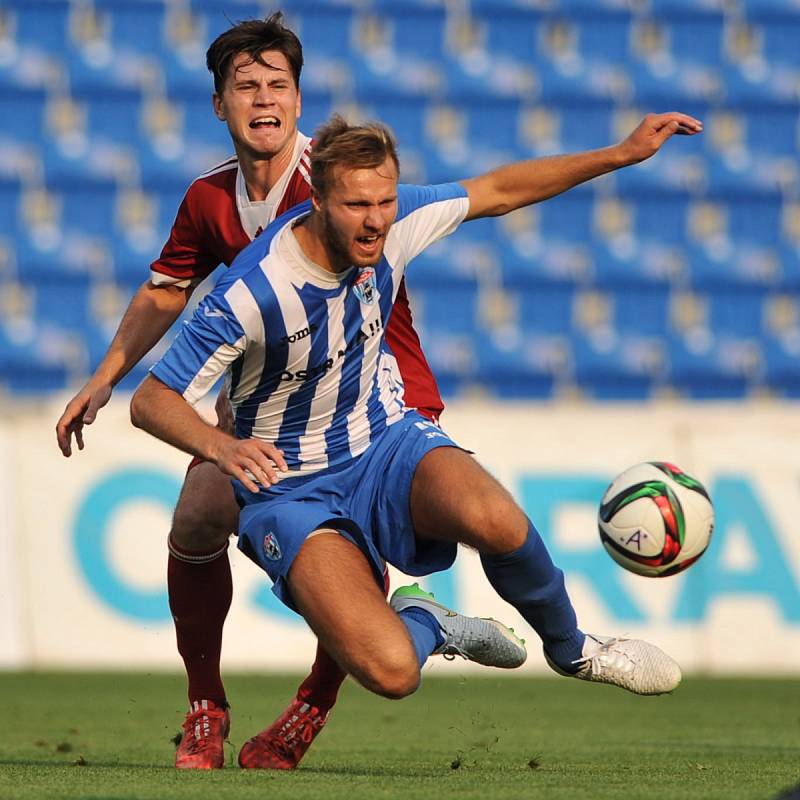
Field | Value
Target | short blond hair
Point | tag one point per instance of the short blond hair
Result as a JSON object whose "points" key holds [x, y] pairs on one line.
{"points": [[337, 143]]}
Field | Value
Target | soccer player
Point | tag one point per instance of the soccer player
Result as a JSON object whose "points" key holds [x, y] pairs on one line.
{"points": [[333, 473], [256, 66]]}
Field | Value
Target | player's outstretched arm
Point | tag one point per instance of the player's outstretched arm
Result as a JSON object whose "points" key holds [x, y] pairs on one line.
{"points": [[148, 317], [162, 412], [526, 182]]}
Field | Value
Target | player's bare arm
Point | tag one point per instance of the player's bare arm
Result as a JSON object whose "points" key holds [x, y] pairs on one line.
{"points": [[527, 182], [163, 413], [149, 315]]}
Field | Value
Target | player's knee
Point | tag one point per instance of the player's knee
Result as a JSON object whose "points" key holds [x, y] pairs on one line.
{"points": [[502, 526], [193, 530], [394, 674]]}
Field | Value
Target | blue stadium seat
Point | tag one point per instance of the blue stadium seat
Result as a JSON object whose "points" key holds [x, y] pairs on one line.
{"points": [[27, 365], [753, 178], [661, 217], [676, 173], [583, 83], [185, 73], [22, 113], [510, 32], [417, 28], [611, 367], [73, 258], [131, 262], [89, 208], [774, 86], [199, 122], [735, 267], [450, 263], [695, 37], [517, 368], [218, 15], [43, 24], [568, 216], [405, 115], [642, 311], [533, 262], [63, 302], [638, 263], [586, 126], [114, 115], [683, 85], [446, 320], [773, 130], [715, 367], [754, 219], [546, 309], [790, 267], [325, 30], [136, 25], [736, 312], [604, 34], [449, 310], [780, 39], [782, 365], [10, 194], [495, 121]]}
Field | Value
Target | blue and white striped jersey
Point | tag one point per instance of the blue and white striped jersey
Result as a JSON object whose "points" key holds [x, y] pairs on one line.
{"points": [[308, 370]]}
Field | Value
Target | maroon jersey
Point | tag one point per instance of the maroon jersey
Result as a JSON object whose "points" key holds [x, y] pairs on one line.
{"points": [[216, 219]]}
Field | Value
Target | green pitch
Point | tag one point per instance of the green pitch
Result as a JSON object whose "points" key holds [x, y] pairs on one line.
{"points": [[108, 736]]}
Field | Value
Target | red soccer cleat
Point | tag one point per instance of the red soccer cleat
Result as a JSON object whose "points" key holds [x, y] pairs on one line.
{"points": [[204, 733], [284, 743]]}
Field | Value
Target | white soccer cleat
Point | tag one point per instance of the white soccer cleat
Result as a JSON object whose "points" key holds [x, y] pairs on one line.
{"points": [[632, 664], [484, 641]]}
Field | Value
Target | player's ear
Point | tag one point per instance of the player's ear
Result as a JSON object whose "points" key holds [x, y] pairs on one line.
{"points": [[315, 199], [298, 106], [216, 99]]}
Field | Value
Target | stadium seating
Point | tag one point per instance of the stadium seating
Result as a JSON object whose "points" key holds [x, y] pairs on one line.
{"points": [[679, 276]]}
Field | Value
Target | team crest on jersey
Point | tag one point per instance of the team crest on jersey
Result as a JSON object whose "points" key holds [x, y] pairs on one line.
{"points": [[364, 285], [272, 550]]}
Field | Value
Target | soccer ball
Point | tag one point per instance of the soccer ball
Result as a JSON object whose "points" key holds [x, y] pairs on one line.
{"points": [[655, 520]]}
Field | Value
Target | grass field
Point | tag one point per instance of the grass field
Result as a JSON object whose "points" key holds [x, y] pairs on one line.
{"points": [[109, 736]]}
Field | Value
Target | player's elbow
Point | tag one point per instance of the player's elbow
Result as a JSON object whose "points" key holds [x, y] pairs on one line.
{"points": [[142, 405]]}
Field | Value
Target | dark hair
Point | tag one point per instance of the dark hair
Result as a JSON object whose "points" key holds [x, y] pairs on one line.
{"points": [[337, 143], [253, 37]]}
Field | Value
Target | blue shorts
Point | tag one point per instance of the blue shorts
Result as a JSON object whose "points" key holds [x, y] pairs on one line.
{"points": [[366, 500]]}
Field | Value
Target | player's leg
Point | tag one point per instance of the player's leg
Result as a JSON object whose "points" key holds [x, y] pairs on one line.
{"points": [[334, 587], [200, 591], [454, 498], [199, 576]]}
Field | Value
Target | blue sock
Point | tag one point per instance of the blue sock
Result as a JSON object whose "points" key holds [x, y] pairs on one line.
{"points": [[528, 579], [425, 632]]}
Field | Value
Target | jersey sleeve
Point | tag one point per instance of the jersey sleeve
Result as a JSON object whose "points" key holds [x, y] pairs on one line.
{"points": [[186, 259], [206, 346], [426, 214]]}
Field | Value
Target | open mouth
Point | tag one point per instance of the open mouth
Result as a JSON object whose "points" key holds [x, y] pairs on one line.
{"points": [[368, 242], [267, 121]]}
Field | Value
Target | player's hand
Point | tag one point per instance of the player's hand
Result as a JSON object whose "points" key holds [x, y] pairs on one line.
{"points": [[81, 410], [251, 460], [225, 420], [654, 130]]}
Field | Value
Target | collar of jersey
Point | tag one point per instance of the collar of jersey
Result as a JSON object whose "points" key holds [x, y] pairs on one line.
{"points": [[301, 263]]}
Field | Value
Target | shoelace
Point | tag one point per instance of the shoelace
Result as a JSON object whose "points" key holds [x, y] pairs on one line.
{"points": [[301, 729], [198, 726], [604, 649]]}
